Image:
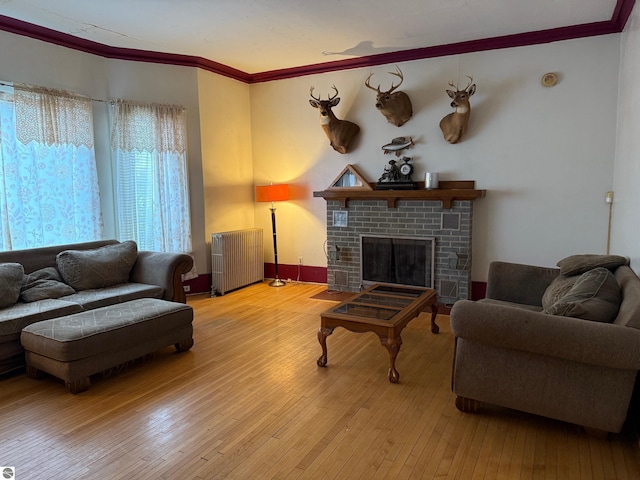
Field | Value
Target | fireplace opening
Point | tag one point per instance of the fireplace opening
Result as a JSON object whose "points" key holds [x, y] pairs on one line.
{"points": [[407, 261]]}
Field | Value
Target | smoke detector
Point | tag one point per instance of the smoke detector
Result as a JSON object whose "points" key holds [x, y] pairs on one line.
{"points": [[549, 79]]}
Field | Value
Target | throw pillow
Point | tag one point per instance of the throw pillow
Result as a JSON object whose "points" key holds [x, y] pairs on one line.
{"points": [[44, 283], [557, 289], [47, 273], [98, 268], [10, 282], [594, 296], [578, 264]]}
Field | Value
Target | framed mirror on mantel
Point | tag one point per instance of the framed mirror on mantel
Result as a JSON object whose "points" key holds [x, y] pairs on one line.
{"points": [[350, 179]]}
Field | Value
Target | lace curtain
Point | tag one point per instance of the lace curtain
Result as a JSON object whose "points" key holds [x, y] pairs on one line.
{"points": [[151, 191], [53, 117], [48, 175]]}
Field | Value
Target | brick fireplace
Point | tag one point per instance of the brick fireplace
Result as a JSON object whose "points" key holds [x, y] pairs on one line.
{"points": [[416, 214]]}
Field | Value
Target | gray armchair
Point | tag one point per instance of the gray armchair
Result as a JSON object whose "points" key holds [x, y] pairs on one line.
{"points": [[509, 351]]}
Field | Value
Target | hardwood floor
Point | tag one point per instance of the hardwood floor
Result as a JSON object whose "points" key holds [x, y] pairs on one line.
{"points": [[249, 402]]}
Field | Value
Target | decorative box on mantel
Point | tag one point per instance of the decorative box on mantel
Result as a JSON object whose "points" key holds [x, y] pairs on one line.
{"points": [[444, 215]]}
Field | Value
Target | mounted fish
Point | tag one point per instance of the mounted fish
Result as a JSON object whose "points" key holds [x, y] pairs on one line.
{"points": [[396, 106], [397, 145], [454, 125], [339, 132]]}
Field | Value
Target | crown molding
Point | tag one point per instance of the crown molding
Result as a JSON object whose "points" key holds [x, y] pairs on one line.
{"points": [[48, 35], [495, 43], [621, 14]]}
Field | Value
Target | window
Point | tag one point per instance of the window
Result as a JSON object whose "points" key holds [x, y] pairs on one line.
{"points": [[48, 177], [151, 185]]}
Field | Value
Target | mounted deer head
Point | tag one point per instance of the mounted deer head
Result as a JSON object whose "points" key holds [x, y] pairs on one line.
{"points": [[454, 125], [396, 107], [339, 132]]}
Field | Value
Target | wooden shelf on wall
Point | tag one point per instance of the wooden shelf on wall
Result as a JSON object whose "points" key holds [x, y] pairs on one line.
{"points": [[447, 193]]}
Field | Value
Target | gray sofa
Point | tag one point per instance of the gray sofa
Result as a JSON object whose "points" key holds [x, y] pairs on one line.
{"points": [[61, 280], [540, 344]]}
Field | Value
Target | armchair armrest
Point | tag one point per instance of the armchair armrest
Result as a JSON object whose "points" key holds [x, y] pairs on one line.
{"points": [[517, 283], [583, 341], [163, 269]]}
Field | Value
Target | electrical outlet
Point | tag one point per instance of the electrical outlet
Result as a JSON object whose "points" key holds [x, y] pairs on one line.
{"points": [[187, 288], [300, 260]]}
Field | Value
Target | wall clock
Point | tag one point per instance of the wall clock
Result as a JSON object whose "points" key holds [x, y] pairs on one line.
{"points": [[406, 169]]}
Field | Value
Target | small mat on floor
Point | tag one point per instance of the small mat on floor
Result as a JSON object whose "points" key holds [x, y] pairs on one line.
{"points": [[333, 295]]}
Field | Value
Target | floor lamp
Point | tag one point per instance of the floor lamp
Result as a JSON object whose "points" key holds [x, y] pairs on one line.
{"points": [[273, 193]]}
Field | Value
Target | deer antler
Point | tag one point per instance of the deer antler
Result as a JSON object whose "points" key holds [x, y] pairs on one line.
{"points": [[470, 82], [334, 87], [397, 74], [317, 99], [465, 88], [368, 85]]}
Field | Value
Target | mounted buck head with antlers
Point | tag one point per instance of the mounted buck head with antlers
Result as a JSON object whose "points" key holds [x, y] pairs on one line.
{"points": [[396, 107], [454, 125], [339, 132]]}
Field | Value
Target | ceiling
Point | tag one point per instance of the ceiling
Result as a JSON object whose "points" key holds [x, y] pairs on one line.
{"points": [[255, 36]]}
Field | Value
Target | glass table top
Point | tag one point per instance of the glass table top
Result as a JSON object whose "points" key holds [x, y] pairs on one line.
{"points": [[399, 291], [366, 311], [382, 302]]}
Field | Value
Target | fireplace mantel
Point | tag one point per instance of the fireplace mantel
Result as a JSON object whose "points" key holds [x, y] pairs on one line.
{"points": [[447, 193]]}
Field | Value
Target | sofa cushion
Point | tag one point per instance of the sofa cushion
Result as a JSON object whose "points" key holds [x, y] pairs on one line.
{"points": [[594, 296], [578, 264], [14, 318], [505, 303], [124, 292], [10, 282], [97, 268], [43, 283]]}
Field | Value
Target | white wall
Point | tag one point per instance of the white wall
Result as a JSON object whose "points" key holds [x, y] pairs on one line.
{"points": [[225, 133], [544, 155], [625, 238]]}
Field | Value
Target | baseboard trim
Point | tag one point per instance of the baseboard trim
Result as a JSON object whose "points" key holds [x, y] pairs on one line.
{"points": [[301, 273]]}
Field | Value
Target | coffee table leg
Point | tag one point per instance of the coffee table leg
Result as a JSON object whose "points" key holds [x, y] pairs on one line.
{"points": [[323, 333], [434, 326], [393, 346]]}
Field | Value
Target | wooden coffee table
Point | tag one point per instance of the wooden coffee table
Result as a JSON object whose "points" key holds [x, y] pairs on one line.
{"points": [[382, 309]]}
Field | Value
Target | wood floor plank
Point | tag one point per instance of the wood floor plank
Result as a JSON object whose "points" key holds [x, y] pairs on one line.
{"points": [[249, 401]]}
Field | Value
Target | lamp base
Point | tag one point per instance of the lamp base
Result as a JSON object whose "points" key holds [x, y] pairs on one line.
{"points": [[277, 283]]}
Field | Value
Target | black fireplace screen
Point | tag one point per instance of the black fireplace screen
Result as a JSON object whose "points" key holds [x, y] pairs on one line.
{"points": [[397, 260]]}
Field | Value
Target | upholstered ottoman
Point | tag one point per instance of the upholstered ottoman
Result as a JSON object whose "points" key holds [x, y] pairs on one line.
{"points": [[76, 346]]}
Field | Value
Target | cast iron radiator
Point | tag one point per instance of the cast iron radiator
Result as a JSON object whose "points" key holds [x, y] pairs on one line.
{"points": [[236, 259]]}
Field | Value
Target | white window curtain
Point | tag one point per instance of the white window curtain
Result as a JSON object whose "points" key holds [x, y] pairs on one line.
{"points": [[151, 188], [48, 178]]}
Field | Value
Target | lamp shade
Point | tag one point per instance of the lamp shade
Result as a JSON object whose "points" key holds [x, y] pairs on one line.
{"points": [[272, 193]]}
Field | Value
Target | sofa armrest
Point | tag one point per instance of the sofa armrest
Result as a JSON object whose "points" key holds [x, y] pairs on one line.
{"points": [[164, 270], [583, 341], [517, 283]]}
